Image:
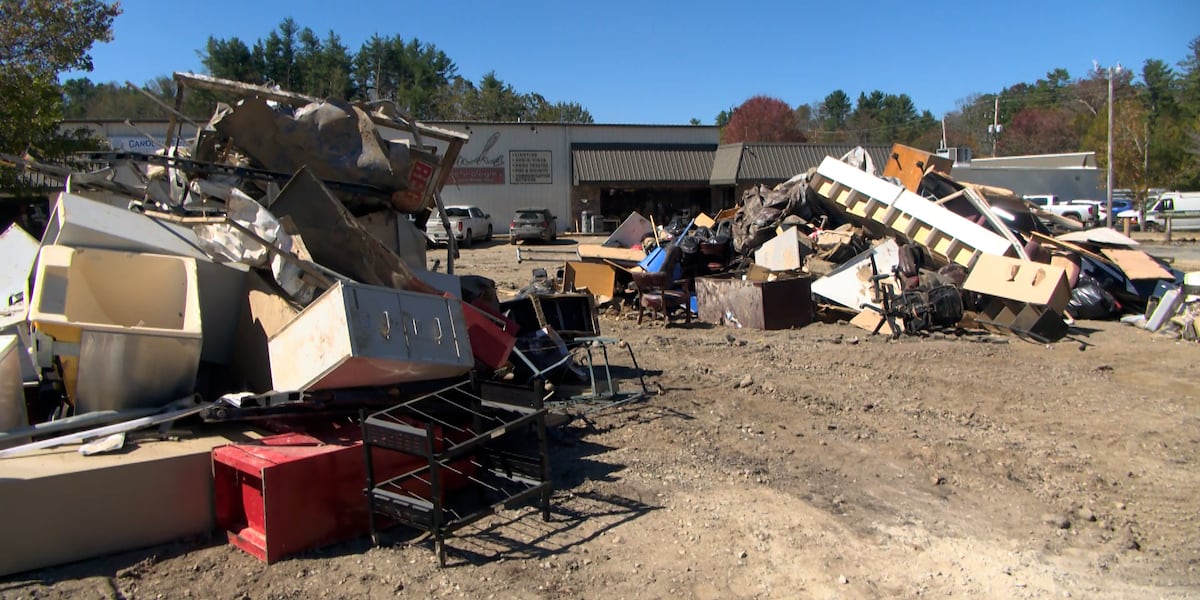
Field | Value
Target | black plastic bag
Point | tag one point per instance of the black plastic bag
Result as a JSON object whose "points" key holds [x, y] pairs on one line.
{"points": [[1089, 300]]}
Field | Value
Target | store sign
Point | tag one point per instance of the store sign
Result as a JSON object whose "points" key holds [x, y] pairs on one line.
{"points": [[477, 175], [133, 144], [482, 168], [529, 166]]}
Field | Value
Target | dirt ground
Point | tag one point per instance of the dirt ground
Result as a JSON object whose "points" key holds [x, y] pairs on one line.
{"points": [[811, 463]]}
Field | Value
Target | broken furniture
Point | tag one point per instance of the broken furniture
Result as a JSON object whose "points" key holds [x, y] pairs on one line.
{"points": [[19, 250], [12, 386], [357, 335], [783, 252], [909, 165], [604, 390], [568, 314], [125, 327], [292, 492], [656, 293], [545, 254], [737, 302], [85, 220], [916, 307], [878, 203], [851, 285], [61, 507], [1023, 297], [597, 278], [463, 434]]}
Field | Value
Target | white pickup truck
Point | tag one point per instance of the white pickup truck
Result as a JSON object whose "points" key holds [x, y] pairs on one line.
{"points": [[467, 224], [1087, 214]]}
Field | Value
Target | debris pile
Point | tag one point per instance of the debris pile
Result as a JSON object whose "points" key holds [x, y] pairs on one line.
{"points": [[266, 272], [906, 251]]}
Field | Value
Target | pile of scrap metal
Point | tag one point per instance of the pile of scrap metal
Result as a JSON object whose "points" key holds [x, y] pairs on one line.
{"points": [[266, 254], [268, 264], [907, 251]]}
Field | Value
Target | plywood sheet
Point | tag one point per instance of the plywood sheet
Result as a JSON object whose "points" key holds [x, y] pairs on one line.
{"points": [[1136, 264]]}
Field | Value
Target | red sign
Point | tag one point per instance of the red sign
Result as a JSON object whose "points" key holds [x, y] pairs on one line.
{"points": [[418, 180], [477, 175]]}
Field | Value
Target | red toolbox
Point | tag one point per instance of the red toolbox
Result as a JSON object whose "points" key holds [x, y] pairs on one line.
{"points": [[293, 492]]}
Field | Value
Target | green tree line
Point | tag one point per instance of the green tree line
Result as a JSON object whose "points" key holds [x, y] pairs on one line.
{"points": [[1156, 122], [419, 78]]}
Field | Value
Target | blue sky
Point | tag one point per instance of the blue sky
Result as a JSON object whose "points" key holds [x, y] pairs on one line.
{"points": [[666, 62]]}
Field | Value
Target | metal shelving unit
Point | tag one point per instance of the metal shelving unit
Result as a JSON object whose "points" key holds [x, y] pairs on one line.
{"points": [[467, 435]]}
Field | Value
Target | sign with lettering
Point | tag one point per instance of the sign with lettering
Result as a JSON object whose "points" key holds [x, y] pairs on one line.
{"points": [[529, 166], [412, 199], [477, 175], [481, 166], [133, 144]]}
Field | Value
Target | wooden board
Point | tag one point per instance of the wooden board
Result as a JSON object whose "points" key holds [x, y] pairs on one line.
{"points": [[1136, 264]]}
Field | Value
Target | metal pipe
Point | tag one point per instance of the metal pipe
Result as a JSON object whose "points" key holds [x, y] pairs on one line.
{"points": [[109, 430], [89, 419]]}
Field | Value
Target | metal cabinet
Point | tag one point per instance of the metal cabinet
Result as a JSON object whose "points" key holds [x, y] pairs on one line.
{"points": [[357, 335]]}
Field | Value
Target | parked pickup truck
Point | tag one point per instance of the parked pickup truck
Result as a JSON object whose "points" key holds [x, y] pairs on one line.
{"points": [[467, 224], [1088, 214]]}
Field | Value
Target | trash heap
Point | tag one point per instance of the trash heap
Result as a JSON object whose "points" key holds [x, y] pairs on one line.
{"points": [[267, 272], [903, 252]]}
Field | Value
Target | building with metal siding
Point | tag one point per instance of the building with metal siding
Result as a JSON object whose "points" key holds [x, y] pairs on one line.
{"points": [[657, 170], [1068, 176], [607, 170]]}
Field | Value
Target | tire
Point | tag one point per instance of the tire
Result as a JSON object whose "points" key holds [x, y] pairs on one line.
{"points": [[489, 234], [467, 239], [512, 239], [1073, 216]]}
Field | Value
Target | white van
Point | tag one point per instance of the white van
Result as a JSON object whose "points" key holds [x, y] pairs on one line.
{"points": [[1188, 202]]}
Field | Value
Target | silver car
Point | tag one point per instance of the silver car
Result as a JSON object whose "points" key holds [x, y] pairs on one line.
{"points": [[532, 224]]}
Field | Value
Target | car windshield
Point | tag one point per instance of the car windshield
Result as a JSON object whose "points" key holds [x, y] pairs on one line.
{"points": [[456, 212], [530, 214]]}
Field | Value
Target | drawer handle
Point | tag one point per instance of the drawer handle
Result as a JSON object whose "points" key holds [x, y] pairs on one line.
{"points": [[386, 330], [416, 332]]}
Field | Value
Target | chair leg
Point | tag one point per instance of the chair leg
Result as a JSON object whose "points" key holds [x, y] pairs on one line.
{"points": [[640, 309]]}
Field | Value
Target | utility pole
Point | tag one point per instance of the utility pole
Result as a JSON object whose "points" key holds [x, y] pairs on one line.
{"points": [[1110, 72], [995, 128]]}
